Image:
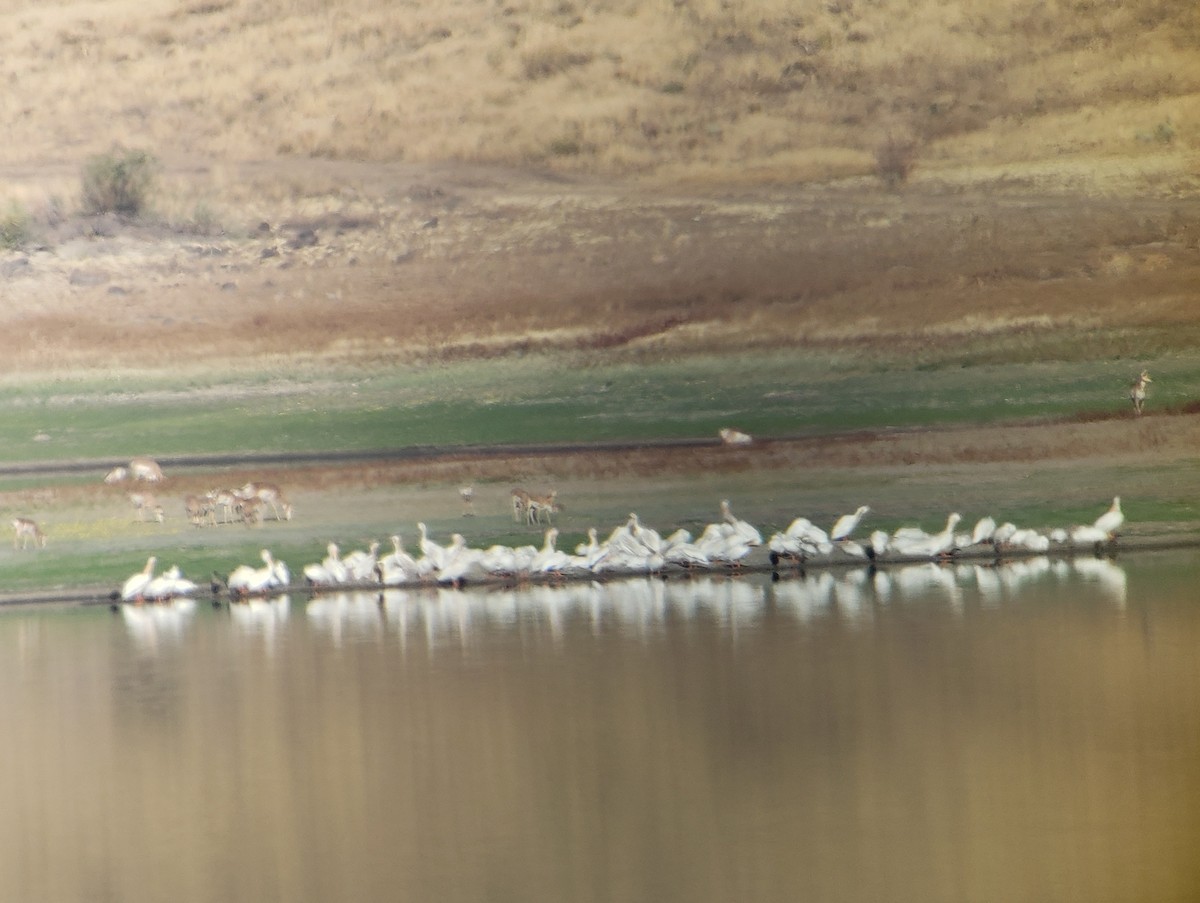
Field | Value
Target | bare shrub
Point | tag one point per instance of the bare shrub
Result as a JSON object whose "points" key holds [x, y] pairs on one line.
{"points": [[894, 160], [120, 181]]}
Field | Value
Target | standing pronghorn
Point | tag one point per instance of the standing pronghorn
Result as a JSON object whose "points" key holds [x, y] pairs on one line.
{"points": [[536, 504], [1137, 392], [26, 530], [268, 494]]}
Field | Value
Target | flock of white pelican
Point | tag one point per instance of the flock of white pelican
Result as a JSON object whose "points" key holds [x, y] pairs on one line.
{"points": [[630, 549]]}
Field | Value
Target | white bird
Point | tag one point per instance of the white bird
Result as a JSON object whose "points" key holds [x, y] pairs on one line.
{"points": [[731, 436], [930, 546], [847, 524], [398, 566], [169, 584], [1085, 535], [1112, 519], [246, 580], [433, 556], [985, 529], [329, 571], [135, 586], [361, 565], [745, 530]]}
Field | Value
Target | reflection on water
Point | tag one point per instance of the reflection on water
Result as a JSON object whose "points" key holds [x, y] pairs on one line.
{"points": [[927, 733]]}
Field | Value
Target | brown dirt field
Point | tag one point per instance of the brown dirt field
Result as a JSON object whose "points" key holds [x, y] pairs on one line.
{"points": [[380, 262]]}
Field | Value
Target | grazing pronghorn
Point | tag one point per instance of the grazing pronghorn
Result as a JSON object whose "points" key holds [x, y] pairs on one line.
{"points": [[250, 510], [143, 502], [143, 468], [269, 494], [536, 504], [26, 530], [1137, 392], [200, 509]]}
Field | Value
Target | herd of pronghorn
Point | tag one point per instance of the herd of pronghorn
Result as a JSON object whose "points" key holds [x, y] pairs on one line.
{"points": [[248, 504]]}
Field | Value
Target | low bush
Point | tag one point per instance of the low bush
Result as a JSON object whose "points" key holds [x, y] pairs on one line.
{"points": [[121, 181]]}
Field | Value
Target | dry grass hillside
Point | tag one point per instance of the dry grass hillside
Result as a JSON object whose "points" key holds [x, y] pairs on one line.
{"points": [[769, 90], [471, 177]]}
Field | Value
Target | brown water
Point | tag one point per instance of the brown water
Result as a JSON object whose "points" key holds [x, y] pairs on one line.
{"points": [[921, 735]]}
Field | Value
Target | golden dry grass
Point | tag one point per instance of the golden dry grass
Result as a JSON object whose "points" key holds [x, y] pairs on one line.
{"points": [[768, 91]]}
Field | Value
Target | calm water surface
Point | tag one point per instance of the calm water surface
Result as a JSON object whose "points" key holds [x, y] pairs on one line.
{"points": [[1029, 732]]}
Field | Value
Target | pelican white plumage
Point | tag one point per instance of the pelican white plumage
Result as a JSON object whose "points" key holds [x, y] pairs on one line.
{"points": [[1112, 519], [929, 546], [433, 556], [847, 524], [1085, 535], [135, 586], [397, 566], [247, 581], [745, 530], [168, 585], [360, 565], [985, 529], [328, 572]]}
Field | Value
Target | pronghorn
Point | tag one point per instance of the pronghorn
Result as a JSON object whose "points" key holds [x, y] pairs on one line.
{"points": [[200, 508], [143, 502], [26, 530], [734, 437], [145, 469], [467, 494], [250, 510], [520, 504], [224, 502], [269, 494], [536, 504], [116, 475], [1137, 392]]}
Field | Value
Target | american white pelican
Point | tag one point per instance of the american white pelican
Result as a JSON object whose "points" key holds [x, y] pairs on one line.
{"points": [[168, 585], [329, 571], [398, 566], [930, 546], [247, 581], [1112, 519], [985, 529], [360, 565], [746, 531], [1088, 536], [135, 586], [847, 524]]}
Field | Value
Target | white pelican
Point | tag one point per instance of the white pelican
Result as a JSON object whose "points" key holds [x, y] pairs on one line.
{"points": [[329, 571], [930, 546], [398, 566], [460, 563], [1112, 519], [985, 529], [1085, 535], [745, 530], [169, 584], [847, 524], [134, 587], [361, 565], [246, 581]]}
